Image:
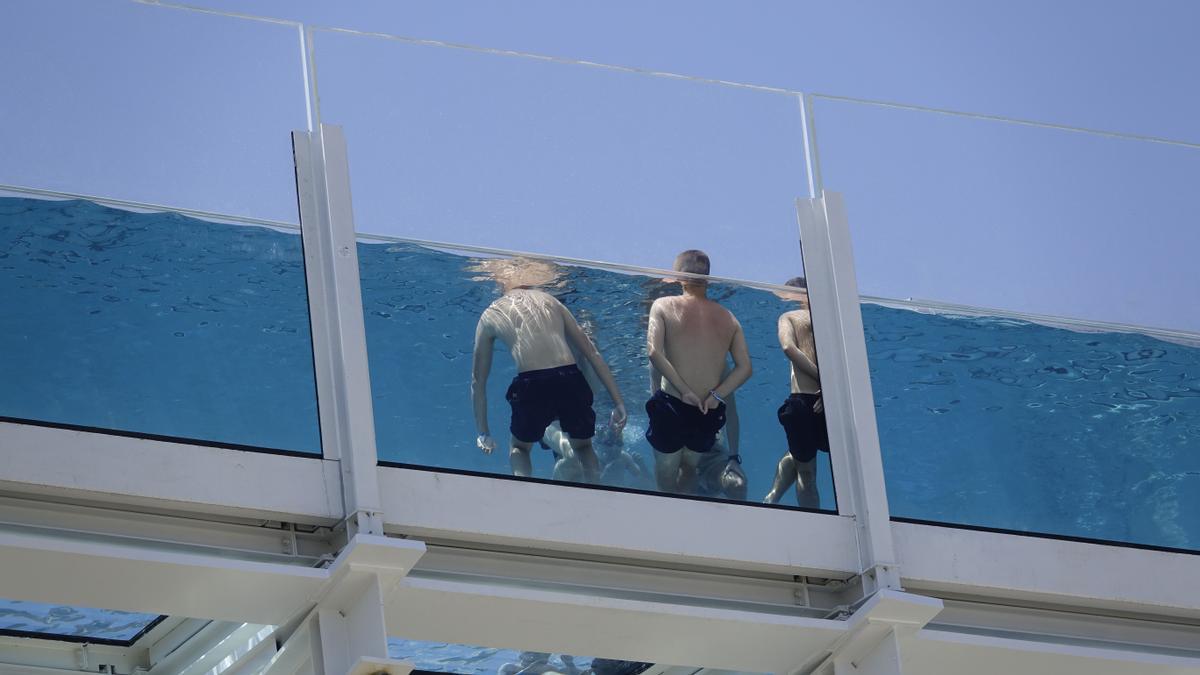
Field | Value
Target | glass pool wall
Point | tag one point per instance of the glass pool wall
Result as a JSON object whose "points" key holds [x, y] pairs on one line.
{"points": [[563, 161], [422, 304], [1034, 341], [134, 318], [155, 324]]}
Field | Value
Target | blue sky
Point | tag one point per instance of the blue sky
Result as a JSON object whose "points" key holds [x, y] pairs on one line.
{"points": [[115, 98]]}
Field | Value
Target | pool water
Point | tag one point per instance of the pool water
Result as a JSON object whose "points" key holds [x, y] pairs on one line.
{"points": [[76, 622], [162, 324]]}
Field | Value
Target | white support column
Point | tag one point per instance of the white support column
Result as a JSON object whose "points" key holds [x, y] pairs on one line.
{"points": [[881, 659], [335, 307], [345, 633], [352, 635], [846, 385], [877, 632]]}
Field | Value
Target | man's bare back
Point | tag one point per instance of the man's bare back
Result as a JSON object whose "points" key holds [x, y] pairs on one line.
{"points": [[697, 334], [531, 324]]}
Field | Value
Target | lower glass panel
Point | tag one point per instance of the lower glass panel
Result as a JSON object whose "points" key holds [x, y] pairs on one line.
{"points": [[996, 422], [421, 307], [155, 324], [446, 657], [81, 624]]}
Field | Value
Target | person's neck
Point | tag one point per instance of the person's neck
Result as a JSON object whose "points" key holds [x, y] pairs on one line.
{"points": [[696, 290]]}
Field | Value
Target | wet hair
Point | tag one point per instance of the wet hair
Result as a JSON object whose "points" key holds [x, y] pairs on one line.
{"points": [[797, 282], [692, 261]]}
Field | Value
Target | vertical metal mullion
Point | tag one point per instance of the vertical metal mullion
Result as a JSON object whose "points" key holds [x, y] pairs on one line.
{"points": [[818, 269], [854, 405], [310, 195], [845, 375], [339, 334]]}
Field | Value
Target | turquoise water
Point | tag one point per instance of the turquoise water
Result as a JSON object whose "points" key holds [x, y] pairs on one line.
{"points": [[1008, 424], [80, 622], [421, 307], [157, 323], [444, 657]]}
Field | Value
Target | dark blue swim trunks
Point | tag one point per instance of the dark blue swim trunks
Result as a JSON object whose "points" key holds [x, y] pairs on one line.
{"points": [[675, 424], [538, 397], [805, 429]]}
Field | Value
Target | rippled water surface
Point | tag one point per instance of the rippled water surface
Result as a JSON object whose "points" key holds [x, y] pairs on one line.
{"points": [[106, 624], [157, 323], [442, 657], [1008, 424]]}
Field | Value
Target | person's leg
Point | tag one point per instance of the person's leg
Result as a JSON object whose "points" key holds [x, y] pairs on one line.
{"points": [[586, 455], [518, 457], [733, 481], [785, 475], [689, 471], [666, 470], [806, 484]]}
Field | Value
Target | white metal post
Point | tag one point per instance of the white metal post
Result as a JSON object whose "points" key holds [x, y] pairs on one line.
{"points": [[846, 384], [845, 376], [339, 335]]}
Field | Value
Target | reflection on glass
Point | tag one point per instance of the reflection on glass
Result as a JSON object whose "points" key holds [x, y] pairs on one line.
{"points": [[564, 159], [56, 622], [423, 308], [154, 324], [444, 657], [995, 409]]}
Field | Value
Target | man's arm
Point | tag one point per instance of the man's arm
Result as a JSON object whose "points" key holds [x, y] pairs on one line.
{"points": [[787, 340], [585, 346], [655, 348], [481, 367], [733, 425], [742, 370]]}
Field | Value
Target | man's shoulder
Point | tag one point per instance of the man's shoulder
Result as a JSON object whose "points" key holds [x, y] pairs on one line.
{"points": [[800, 315], [725, 312], [664, 301]]}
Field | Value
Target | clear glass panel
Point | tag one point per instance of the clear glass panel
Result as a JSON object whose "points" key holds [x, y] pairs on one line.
{"points": [[131, 101], [1033, 333], [447, 657], [500, 153], [422, 305], [155, 324], [35, 619], [533, 155]]}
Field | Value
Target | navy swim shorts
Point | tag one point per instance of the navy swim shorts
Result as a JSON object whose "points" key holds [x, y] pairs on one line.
{"points": [[805, 429], [675, 424], [538, 397]]}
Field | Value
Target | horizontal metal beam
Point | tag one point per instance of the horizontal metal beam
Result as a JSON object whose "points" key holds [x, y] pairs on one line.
{"points": [[1036, 570], [617, 525], [540, 620], [62, 463]]}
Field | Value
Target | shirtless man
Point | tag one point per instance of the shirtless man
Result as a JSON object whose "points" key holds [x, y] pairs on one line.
{"points": [[688, 338], [803, 413], [540, 333]]}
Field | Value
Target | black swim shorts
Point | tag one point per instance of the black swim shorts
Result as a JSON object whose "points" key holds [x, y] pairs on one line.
{"points": [[805, 429], [675, 424], [538, 397]]}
